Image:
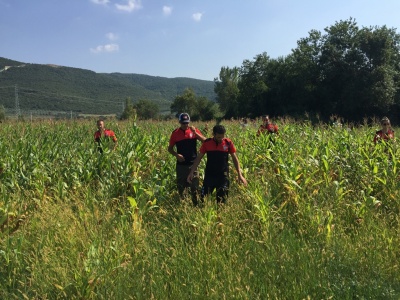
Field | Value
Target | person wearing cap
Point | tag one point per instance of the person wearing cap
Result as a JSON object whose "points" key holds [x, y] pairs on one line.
{"points": [[218, 149], [102, 136], [386, 133], [267, 127], [184, 140]]}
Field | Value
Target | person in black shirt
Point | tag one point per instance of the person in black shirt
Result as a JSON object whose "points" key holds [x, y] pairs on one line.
{"points": [[217, 167], [185, 140]]}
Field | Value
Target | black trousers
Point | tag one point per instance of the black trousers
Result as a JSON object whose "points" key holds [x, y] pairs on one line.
{"points": [[220, 184]]}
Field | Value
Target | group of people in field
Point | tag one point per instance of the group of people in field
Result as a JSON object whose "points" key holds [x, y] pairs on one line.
{"points": [[218, 148], [183, 145]]}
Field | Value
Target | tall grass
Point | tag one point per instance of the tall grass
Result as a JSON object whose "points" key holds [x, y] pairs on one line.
{"points": [[319, 219]]}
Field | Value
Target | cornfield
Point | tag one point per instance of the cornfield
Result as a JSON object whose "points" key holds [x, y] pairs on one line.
{"points": [[318, 220]]}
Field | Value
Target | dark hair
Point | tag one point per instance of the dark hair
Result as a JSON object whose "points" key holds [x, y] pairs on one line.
{"points": [[219, 129]]}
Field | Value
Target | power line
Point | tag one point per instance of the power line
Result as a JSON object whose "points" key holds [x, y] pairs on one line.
{"points": [[17, 110]]}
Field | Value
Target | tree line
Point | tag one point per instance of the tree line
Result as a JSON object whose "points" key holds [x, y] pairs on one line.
{"points": [[346, 71], [198, 107]]}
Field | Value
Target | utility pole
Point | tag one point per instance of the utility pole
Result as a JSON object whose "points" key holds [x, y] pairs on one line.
{"points": [[17, 110]]}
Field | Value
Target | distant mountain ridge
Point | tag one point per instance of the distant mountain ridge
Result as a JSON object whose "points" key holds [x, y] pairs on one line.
{"points": [[52, 87]]}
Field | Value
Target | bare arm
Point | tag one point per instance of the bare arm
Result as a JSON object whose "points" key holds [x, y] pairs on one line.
{"points": [[178, 156], [201, 137], [194, 166], [237, 167], [198, 134], [171, 150]]}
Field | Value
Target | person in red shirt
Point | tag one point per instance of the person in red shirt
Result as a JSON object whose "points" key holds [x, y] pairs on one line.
{"points": [[267, 127], [218, 149], [103, 135], [386, 133], [184, 139]]}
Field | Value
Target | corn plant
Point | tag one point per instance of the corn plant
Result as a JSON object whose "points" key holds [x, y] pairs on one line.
{"points": [[318, 219]]}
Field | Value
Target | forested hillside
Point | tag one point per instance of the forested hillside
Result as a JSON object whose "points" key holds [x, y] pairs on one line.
{"points": [[57, 88]]}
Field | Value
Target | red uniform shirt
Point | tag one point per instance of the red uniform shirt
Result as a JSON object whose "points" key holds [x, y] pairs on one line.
{"points": [[270, 128], [108, 133], [217, 156], [380, 135], [186, 144]]}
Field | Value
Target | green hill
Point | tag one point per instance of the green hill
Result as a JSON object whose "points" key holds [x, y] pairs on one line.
{"points": [[63, 89]]}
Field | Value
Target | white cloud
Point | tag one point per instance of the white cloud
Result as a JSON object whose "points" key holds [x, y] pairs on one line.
{"points": [[167, 10], [105, 48], [112, 36], [104, 2], [197, 17], [130, 6]]}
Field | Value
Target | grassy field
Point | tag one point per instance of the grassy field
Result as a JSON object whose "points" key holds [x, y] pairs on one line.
{"points": [[318, 220]]}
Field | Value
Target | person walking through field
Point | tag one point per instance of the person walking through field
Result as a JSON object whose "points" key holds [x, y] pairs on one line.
{"points": [[103, 137], [184, 140], [218, 148], [386, 133], [267, 127]]}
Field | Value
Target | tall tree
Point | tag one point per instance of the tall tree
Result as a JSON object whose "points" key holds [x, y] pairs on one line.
{"points": [[206, 109], [253, 85], [303, 74], [129, 112], [360, 69], [199, 108], [381, 50], [226, 88], [339, 64], [185, 102], [146, 109]]}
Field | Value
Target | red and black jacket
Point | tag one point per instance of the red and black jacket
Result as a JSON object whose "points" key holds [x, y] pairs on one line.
{"points": [[186, 144], [217, 156]]}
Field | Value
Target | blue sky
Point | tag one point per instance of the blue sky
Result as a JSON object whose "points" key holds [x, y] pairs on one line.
{"points": [[172, 38]]}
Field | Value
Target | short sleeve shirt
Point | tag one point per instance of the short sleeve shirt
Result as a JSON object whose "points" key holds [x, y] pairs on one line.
{"points": [[108, 134], [270, 128], [217, 156], [186, 144]]}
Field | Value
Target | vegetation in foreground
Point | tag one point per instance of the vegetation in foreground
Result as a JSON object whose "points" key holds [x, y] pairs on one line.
{"points": [[319, 219]]}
